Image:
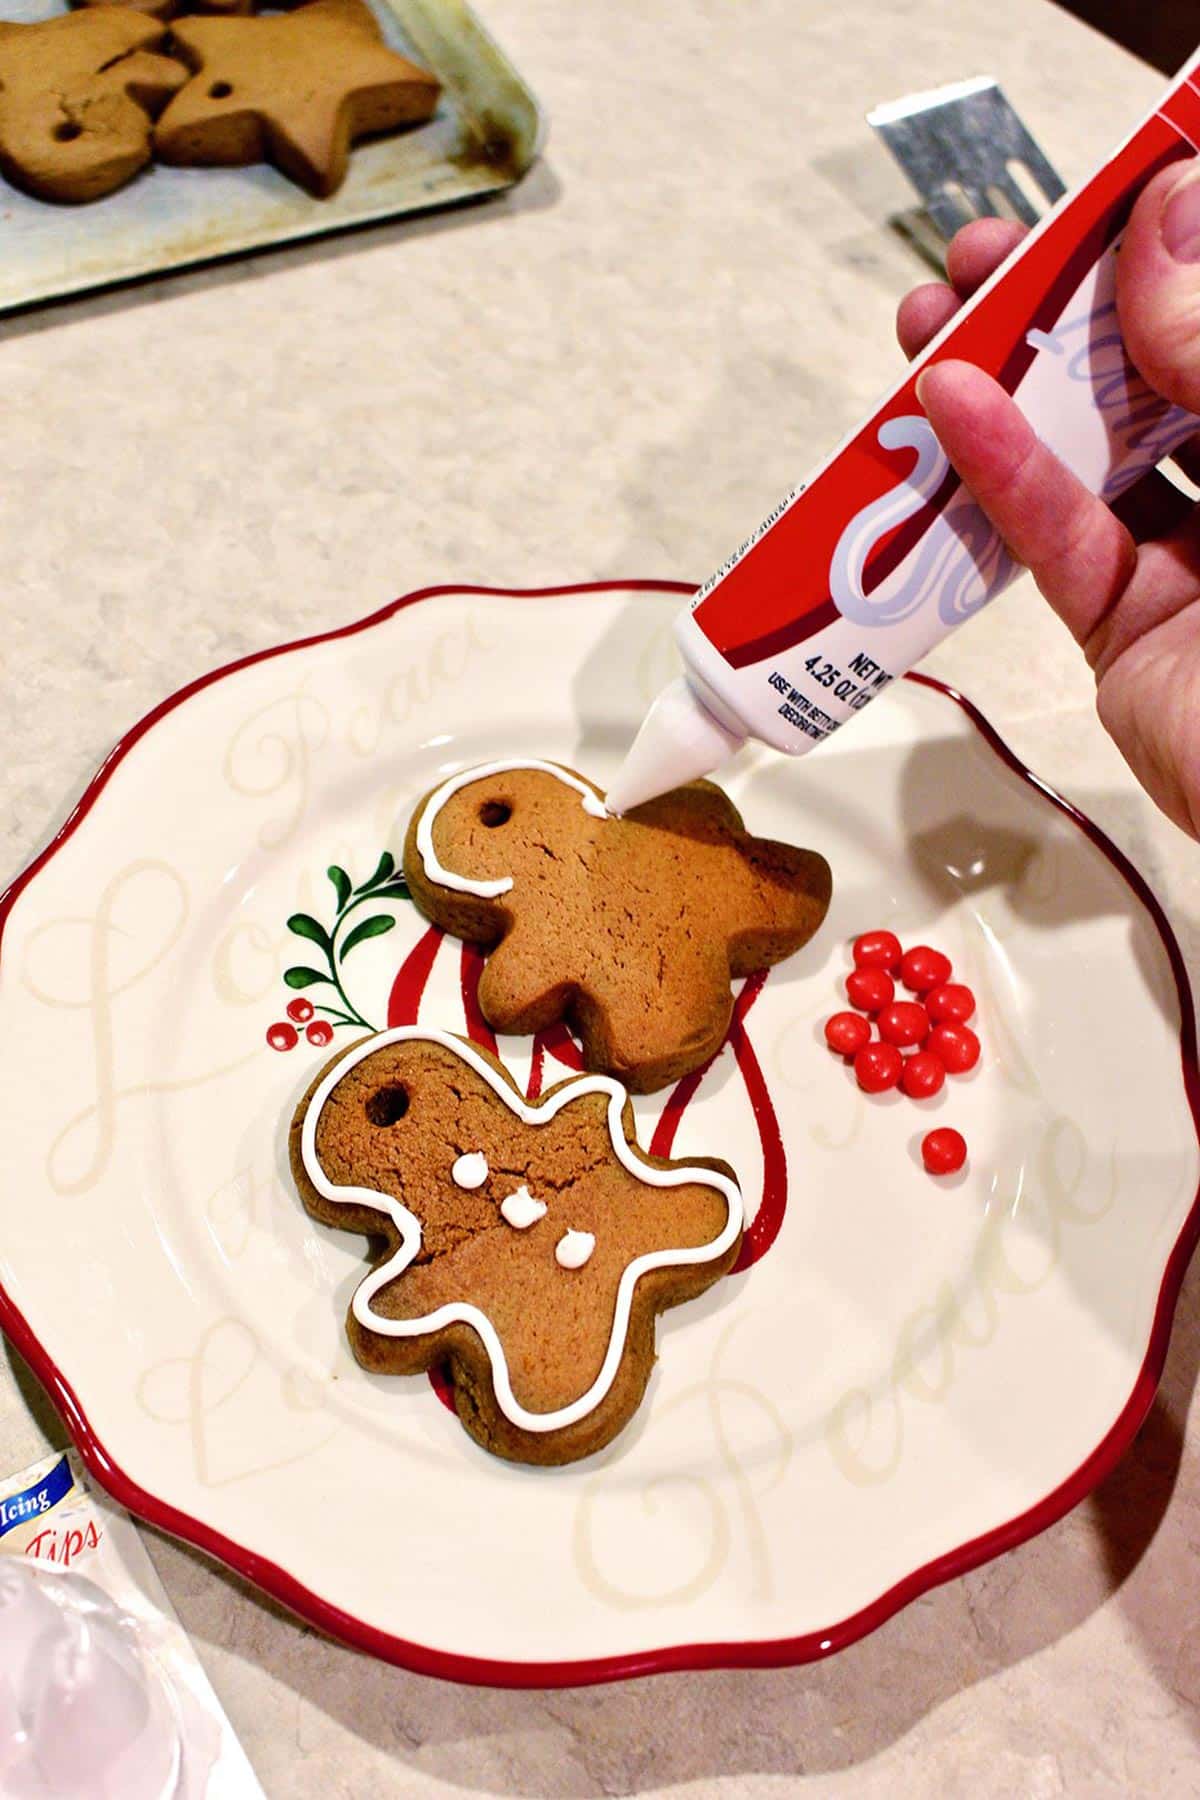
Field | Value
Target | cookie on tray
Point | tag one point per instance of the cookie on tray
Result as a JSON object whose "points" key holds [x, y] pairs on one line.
{"points": [[78, 95], [527, 1246], [294, 89], [631, 929]]}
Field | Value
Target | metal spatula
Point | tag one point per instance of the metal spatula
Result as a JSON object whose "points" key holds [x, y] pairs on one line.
{"points": [[968, 155]]}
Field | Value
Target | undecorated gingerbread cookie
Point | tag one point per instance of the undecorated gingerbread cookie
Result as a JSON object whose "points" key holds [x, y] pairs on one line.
{"points": [[527, 1245], [631, 929], [78, 95], [296, 90]]}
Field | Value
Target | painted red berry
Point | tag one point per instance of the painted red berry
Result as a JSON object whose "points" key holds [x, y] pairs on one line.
{"points": [[870, 989], [877, 1067], [319, 1032], [950, 1001], [922, 1075], [282, 1036], [943, 1151], [877, 950], [954, 1045], [300, 1010], [922, 968], [847, 1032], [904, 1023]]}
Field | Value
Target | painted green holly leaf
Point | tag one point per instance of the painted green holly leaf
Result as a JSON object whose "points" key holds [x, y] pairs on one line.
{"points": [[305, 926], [386, 865], [341, 884], [300, 977], [373, 927], [395, 890]]}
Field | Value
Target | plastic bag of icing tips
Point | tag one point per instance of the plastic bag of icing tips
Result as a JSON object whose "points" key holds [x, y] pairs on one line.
{"points": [[101, 1695]]}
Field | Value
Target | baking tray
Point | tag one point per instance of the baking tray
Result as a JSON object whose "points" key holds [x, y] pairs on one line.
{"points": [[485, 133]]}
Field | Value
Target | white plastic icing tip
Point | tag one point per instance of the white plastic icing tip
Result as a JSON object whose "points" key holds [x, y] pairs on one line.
{"points": [[471, 1170], [573, 1249], [679, 741], [521, 1210]]}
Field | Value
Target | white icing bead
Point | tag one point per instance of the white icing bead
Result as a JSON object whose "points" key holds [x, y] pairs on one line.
{"points": [[471, 1170], [573, 1249], [521, 1210]]}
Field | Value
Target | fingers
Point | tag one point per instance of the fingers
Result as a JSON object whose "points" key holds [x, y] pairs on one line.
{"points": [[1080, 555], [1166, 581], [975, 252], [1158, 284], [978, 250], [921, 315]]}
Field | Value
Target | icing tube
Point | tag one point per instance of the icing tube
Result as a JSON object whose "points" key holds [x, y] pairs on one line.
{"points": [[881, 553]]}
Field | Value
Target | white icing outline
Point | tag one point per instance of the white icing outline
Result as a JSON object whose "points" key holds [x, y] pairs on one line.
{"points": [[406, 1223], [463, 884], [571, 1255]]}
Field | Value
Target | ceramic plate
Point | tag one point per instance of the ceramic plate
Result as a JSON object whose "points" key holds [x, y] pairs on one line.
{"points": [[905, 1377]]}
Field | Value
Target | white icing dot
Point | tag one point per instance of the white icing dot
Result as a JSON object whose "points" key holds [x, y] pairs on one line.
{"points": [[471, 1170], [573, 1249], [521, 1209]]}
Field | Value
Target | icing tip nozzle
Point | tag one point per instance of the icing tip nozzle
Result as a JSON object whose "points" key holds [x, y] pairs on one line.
{"points": [[680, 739]]}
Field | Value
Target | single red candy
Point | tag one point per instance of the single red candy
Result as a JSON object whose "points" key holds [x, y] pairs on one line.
{"points": [[282, 1036], [943, 1151], [950, 1001], [870, 989], [877, 1067], [904, 1023], [877, 950], [319, 1032], [955, 1045], [300, 1010], [922, 968], [922, 1076], [847, 1032]]}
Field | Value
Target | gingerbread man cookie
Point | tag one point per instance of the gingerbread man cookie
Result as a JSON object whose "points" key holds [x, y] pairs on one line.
{"points": [[77, 99], [630, 929], [296, 90], [529, 1246]]}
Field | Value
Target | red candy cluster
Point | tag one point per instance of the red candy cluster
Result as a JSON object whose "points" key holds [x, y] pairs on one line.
{"points": [[932, 1028], [284, 1036]]}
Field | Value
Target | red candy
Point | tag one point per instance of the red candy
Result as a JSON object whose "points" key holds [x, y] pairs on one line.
{"points": [[922, 1075], [847, 1032], [922, 968], [870, 989], [943, 1151], [904, 1023], [951, 1001], [300, 1010], [954, 1045], [320, 1032], [877, 1067], [877, 950]]}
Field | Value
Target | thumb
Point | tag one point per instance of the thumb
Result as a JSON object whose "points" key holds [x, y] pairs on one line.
{"points": [[1158, 284]]}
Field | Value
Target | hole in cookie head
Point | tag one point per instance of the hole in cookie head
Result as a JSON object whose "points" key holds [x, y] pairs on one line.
{"points": [[387, 1105], [220, 90], [66, 131], [495, 812]]}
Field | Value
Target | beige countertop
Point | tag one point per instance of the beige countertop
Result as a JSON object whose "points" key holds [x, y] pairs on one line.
{"points": [[614, 372]]}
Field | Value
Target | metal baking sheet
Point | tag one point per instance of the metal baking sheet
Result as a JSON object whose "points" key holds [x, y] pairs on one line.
{"points": [[483, 137]]}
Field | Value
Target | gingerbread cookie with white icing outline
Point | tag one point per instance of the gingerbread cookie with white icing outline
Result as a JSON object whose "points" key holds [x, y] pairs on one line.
{"points": [[527, 1245], [630, 929]]}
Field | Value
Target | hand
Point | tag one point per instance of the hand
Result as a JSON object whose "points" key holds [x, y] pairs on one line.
{"points": [[1125, 580]]}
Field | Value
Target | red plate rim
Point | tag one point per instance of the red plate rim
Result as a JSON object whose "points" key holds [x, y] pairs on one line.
{"points": [[764, 1653]]}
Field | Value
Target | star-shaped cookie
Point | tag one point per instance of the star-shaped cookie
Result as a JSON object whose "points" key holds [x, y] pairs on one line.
{"points": [[529, 1245], [631, 929], [295, 89], [77, 98]]}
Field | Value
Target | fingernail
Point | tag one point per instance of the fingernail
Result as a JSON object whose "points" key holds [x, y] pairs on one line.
{"points": [[1181, 220]]}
